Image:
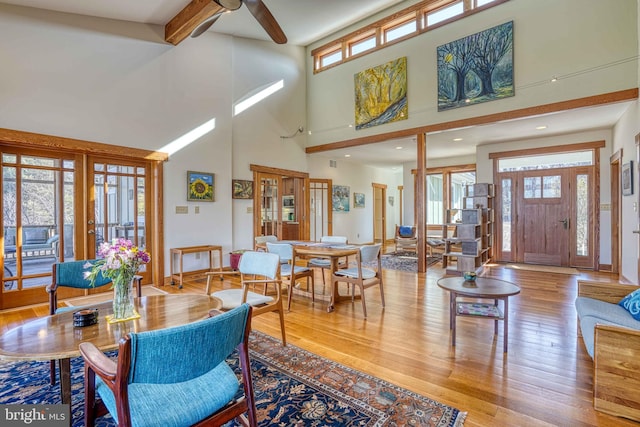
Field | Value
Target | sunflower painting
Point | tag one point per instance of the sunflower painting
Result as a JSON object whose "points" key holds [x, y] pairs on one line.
{"points": [[200, 187]]}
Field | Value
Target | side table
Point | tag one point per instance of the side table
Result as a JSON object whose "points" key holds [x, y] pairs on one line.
{"points": [[190, 250], [482, 288]]}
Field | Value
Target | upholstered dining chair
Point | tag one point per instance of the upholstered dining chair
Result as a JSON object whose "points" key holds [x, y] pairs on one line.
{"points": [[176, 376], [325, 263], [362, 276], [290, 271], [256, 268], [262, 240], [406, 237], [70, 274]]}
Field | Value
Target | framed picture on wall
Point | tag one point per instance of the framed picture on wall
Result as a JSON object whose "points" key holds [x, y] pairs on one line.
{"points": [[242, 189], [200, 187], [358, 200], [627, 178]]}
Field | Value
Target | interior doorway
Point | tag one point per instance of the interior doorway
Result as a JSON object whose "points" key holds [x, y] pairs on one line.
{"points": [[321, 209], [379, 213]]}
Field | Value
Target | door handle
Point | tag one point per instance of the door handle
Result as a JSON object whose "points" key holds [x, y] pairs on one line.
{"points": [[636, 231], [565, 223], [91, 232]]}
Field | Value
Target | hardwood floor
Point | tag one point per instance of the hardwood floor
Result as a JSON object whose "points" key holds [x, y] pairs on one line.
{"points": [[544, 380]]}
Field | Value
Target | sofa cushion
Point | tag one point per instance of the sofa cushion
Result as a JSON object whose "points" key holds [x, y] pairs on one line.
{"points": [[631, 303], [592, 312], [35, 236]]}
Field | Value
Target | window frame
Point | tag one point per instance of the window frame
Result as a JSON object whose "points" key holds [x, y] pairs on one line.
{"points": [[417, 12]]}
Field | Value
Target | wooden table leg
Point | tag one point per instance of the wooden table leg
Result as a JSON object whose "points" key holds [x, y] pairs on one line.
{"points": [[453, 314], [65, 380], [506, 322], [181, 269]]}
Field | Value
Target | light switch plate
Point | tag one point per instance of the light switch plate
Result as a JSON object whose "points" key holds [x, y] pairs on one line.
{"points": [[182, 209]]}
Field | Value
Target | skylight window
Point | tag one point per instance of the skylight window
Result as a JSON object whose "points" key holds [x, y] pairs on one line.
{"points": [[445, 13], [189, 137], [257, 97]]}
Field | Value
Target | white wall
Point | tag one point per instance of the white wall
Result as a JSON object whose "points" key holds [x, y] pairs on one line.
{"points": [[593, 51], [624, 139], [120, 83], [592, 45], [357, 224]]}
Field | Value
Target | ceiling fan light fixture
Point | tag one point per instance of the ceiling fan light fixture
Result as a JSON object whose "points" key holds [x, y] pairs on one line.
{"points": [[229, 4]]}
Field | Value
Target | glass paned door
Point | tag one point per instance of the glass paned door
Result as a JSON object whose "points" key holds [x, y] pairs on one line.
{"points": [[118, 206], [38, 206], [271, 224]]}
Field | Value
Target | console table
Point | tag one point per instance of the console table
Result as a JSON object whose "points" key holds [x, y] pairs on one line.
{"points": [[210, 249]]}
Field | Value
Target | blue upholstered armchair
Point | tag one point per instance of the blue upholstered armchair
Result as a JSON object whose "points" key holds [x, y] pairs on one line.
{"points": [[173, 377], [71, 275]]}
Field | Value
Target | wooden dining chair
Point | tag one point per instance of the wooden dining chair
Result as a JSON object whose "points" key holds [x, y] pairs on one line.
{"points": [[325, 263], [70, 274], [256, 268], [174, 376], [361, 276], [290, 271]]}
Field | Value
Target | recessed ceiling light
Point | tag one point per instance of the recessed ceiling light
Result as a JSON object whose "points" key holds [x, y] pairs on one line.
{"points": [[457, 139], [347, 155], [398, 148], [540, 127], [554, 79], [350, 125]]}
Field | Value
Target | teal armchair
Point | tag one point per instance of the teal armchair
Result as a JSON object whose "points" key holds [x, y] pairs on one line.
{"points": [[173, 377]]}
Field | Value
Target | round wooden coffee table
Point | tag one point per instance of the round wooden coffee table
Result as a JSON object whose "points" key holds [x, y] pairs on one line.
{"points": [[482, 287]]}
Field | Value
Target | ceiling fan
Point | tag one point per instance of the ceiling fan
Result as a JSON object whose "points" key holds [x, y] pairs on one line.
{"points": [[257, 9]]}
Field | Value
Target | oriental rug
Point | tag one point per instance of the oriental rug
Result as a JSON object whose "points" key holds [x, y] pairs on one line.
{"points": [[405, 261], [293, 387]]}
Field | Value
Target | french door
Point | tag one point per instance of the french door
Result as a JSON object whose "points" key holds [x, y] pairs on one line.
{"points": [[59, 207]]}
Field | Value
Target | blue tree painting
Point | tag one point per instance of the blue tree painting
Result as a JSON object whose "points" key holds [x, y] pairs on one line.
{"points": [[477, 68]]}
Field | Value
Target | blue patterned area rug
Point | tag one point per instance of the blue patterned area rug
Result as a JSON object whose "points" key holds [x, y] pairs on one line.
{"points": [[293, 387], [405, 261]]}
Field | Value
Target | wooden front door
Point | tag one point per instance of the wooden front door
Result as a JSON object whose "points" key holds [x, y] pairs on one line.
{"points": [[544, 217]]}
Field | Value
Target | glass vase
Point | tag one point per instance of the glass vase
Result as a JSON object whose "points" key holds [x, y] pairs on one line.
{"points": [[123, 306]]}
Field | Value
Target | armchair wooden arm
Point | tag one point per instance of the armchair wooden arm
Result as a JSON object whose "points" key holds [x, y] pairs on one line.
{"points": [[603, 291], [101, 364], [616, 378]]}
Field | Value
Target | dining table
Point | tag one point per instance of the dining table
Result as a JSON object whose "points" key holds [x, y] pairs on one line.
{"points": [[55, 337], [333, 252]]}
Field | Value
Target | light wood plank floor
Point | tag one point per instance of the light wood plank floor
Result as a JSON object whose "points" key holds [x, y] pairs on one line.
{"points": [[544, 380]]}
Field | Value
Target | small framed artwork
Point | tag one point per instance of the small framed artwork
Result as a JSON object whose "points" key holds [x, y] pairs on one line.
{"points": [[358, 200], [242, 189], [340, 198], [200, 186], [390, 200], [627, 178]]}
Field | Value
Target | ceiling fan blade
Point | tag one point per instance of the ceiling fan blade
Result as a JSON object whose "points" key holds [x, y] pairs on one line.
{"points": [[266, 19], [205, 25]]}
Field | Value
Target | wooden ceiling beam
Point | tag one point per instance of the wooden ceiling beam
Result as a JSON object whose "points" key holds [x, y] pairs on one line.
{"points": [[181, 25]]}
